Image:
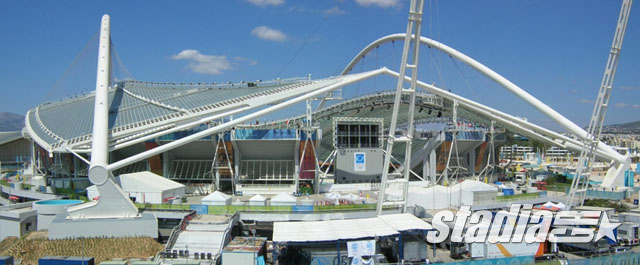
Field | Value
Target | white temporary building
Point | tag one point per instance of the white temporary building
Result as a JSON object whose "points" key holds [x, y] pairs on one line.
{"points": [[258, 200], [146, 187], [283, 199], [217, 198], [441, 197]]}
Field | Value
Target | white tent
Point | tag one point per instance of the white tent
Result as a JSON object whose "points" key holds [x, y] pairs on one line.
{"points": [[217, 198], [307, 201], [553, 206], [351, 197], [283, 199], [146, 187], [258, 200], [238, 202], [332, 197]]}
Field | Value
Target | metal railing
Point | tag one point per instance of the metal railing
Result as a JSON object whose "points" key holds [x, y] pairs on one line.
{"points": [[226, 235], [176, 230]]}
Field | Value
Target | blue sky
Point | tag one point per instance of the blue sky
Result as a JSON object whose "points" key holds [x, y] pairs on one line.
{"points": [[556, 50]]}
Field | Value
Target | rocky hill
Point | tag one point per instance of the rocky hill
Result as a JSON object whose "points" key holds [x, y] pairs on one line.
{"points": [[11, 122]]}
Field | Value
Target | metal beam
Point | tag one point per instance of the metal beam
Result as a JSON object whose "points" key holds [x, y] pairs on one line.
{"points": [[561, 120], [504, 118]]}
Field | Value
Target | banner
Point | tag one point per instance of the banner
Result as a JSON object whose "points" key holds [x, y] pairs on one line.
{"points": [[359, 161], [361, 248]]}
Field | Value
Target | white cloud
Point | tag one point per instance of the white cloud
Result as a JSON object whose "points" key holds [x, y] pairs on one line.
{"points": [[266, 2], [379, 3], [240, 59], [297, 8], [335, 11], [636, 106], [585, 101], [266, 33], [621, 105], [202, 63]]}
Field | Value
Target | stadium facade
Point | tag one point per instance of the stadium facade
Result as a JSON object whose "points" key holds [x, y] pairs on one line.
{"points": [[249, 158]]}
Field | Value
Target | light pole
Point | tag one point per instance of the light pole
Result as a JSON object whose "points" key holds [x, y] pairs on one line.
{"points": [[253, 231]]}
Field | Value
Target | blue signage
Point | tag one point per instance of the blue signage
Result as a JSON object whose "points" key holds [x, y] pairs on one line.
{"points": [[359, 160], [200, 209], [302, 208]]}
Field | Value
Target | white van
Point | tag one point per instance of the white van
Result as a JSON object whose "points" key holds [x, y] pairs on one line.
{"points": [[520, 178]]}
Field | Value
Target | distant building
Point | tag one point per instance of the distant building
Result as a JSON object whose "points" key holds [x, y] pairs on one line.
{"points": [[14, 150], [554, 154], [515, 151]]}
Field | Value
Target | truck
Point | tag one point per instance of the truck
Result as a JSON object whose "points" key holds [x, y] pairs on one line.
{"points": [[602, 246], [628, 234]]}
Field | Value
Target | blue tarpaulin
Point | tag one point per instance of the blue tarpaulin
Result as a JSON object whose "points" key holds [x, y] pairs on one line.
{"points": [[200, 209]]}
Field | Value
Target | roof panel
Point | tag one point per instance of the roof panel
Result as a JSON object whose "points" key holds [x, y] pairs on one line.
{"points": [[333, 230], [72, 118], [38, 130]]}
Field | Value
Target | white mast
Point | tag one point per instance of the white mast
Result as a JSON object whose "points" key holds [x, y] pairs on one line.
{"points": [[113, 202], [100, 141]]}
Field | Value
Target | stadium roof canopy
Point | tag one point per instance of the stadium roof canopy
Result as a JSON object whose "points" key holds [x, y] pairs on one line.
{"points": [[139, 108]]}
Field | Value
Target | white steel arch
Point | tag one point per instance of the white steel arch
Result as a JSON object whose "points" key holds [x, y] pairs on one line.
{"points": [[551, 113]]}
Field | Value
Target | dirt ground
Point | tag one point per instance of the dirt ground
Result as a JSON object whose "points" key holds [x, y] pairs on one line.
{"points": [[35, 246]]}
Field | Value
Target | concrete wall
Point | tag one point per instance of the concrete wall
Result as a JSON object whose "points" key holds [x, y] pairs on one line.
{"points": [[17, 220], [9, 227], [47, 212], [145, 225], [484, 196], [27, 194]]}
